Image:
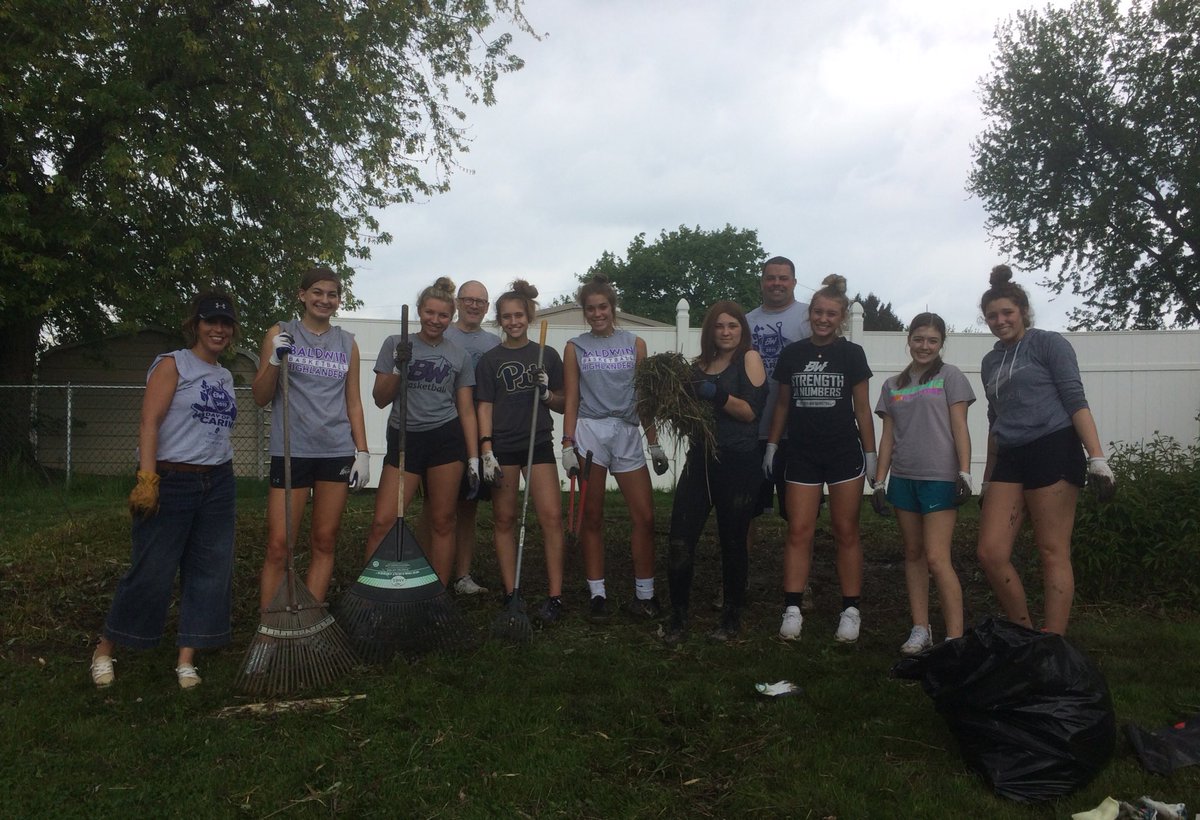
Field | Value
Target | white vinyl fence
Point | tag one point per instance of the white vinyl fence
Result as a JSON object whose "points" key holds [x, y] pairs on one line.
{"points": [[1137, 382]]}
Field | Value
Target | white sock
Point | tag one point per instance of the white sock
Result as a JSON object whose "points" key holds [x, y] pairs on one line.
{"points": [[596, 588], [644, 588]]}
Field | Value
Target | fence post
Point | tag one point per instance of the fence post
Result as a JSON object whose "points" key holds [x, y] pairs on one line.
{"points": [[856, 322], [681, 324]]}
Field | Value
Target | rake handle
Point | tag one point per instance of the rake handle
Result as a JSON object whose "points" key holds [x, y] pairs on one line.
{"points": [[402, 437], [529, 457], [288, 535]]}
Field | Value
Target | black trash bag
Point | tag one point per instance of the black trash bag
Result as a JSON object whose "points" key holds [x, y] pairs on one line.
{"points": [[1030, 712], [1169, 748]]}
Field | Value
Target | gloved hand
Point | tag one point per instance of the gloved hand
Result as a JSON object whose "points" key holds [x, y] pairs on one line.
{"points": [[401, 357], [143, 499], [1100, 478], [964, 488], [281, 347], [713, 392], [491, 468], [360, 473], [570, 462], [472, 479], [872, 465], [543, 384], [659, 459], [879, 501], [768, 464]]}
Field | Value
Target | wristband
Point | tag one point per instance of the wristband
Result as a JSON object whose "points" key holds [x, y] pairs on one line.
{"points": [[485, 440]]}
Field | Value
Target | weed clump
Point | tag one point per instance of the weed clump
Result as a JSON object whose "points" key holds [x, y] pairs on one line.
{"points": [[1145, 543], [665, 399]]}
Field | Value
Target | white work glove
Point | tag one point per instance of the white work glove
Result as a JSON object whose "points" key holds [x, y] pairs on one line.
{"points": [[281, 346], [491, 468], [768, 464], [872, 465], [360, 473], [472, 479], [1100, 478], [543, 385], [964, 488], [570, 462], [659, 459]]}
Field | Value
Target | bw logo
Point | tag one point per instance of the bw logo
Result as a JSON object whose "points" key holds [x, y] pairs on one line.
{"points": [[815, 367]]}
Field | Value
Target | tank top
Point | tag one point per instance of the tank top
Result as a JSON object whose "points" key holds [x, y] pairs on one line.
{"points": [[318, 367], [606, 365], [203, 409]]}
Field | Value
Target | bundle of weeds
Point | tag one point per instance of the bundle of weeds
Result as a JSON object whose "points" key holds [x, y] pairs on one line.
{"points": [[665, 400]]}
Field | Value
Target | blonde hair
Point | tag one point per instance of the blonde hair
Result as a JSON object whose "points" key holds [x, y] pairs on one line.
{"points": [[834, 289], [442, 290], [523, 292]]}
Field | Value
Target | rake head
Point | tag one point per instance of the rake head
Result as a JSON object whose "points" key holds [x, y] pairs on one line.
{"points": [[512, 624]]}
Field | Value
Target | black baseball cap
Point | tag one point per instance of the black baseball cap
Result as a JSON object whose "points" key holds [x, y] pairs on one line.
{"points": [[211, 307]]}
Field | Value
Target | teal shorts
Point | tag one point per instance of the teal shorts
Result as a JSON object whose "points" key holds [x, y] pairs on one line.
{"points": [[922, 497]]}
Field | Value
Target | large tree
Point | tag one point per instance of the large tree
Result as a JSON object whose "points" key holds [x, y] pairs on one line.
{"points": [[1090, 161], [698, 265], [151, 148], [878, 314]]}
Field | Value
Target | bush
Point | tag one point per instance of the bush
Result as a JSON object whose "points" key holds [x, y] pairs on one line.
{"points": [[1146, 541]]}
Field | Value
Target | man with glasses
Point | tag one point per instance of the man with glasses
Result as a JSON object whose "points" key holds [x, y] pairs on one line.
{"points": [[472, 305]]}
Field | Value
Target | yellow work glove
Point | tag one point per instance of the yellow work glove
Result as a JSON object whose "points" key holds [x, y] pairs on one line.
{"points": [[144, 498]]}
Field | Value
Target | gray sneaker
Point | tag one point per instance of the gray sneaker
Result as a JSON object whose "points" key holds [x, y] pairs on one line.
{"points": [[466, 586]]}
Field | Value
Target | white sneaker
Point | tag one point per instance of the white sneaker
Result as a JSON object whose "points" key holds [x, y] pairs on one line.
{"points": [[187, 675], [789, 630], [920, 639], [848, 624], [466, 586], [102, 671]]}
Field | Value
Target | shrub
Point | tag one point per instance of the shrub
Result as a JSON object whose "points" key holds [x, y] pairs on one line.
{"points": [[1146, 541]]}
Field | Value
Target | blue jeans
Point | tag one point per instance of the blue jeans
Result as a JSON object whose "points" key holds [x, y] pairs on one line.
{"points": [[191, 533]]}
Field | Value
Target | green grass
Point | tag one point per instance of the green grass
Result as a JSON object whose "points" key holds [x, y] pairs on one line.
{"points": [[584, 722]]}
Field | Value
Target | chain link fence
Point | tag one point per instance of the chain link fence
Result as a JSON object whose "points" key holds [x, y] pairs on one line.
{"points": [[89, 429]]}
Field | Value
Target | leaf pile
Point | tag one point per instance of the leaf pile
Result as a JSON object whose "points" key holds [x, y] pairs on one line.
{"points": [[665, 400]]}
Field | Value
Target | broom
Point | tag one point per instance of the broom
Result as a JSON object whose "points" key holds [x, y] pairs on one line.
{"points": [[298, 644], [512, 624], [397, 604]]}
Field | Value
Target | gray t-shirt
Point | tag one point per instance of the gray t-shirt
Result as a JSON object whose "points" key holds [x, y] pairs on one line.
{"points": [[606, 366], [1033, 387], [202, 411], [318, 367], [923, 447], [435, 374], [504, 379], [770, 332], [476, 343]]}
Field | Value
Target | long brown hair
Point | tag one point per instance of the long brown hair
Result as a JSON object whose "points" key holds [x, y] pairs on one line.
{"points": [[708, 331]]}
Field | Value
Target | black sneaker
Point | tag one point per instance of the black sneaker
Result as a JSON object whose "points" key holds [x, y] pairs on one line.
{"points": [[598, 610], [676, 634], [647, 610], [552, 611]]}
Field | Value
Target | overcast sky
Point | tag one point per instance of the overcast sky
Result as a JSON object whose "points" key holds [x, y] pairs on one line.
{"points": [[840, 131]]}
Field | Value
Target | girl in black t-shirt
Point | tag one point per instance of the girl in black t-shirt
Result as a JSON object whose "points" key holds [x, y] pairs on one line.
{"points": [[824, 401]]}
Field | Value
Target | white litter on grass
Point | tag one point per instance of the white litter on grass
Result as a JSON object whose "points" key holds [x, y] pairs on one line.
{"points": [[777, 689]]}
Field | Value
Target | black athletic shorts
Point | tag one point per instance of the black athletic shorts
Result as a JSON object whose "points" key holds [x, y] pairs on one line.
{"points": [[307, 470], [542, 454], [1054, 457], [817, 467], [427, 448]]}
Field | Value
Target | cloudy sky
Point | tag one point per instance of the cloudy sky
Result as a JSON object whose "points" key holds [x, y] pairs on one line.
{"points": [[840, 131]]}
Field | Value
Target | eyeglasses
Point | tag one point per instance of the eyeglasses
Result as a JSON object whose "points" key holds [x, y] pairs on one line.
{"points": [[472, 301]]}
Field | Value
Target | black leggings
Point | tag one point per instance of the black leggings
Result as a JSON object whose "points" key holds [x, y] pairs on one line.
{"points": [[731, 485]]}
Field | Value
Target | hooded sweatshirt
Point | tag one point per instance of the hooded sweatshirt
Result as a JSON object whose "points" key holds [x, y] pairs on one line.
{"points": [[1032, 387]]}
